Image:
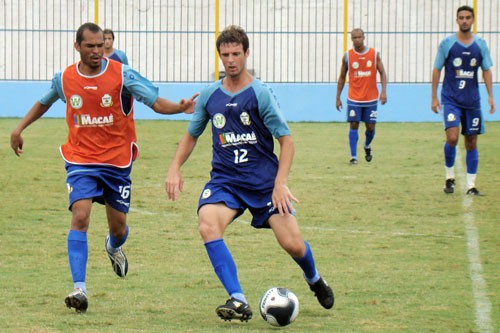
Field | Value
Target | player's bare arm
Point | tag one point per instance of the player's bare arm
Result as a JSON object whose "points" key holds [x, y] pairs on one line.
{"points": [[16, 140], [341, 83], [164, 106], [383, 80], [174, 183], [488, 82], [282, 197], [435, 106]]}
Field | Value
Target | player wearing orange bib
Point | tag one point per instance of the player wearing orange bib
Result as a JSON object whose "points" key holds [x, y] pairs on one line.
{"points": [[362, 64], [100, 148]]}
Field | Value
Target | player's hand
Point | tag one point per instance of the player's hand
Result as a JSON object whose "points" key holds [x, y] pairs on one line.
{"points": [[435, 106], [338, 104], [491, 102], [383, 98], [188, 105], [16, 143], [174, 184], [282, 199]]}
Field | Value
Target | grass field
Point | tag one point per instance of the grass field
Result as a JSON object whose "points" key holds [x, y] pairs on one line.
{"points": [[400, 254]]}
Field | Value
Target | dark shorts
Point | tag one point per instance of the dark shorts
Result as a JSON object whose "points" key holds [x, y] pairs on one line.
{"points": [[99, 183], [470, 119], [365, 112], [259, 203]]}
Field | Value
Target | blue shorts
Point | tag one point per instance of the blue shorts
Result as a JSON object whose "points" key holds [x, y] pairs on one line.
{"points": [[102, 184], [259, 203], [366, 112], [470, 119]]}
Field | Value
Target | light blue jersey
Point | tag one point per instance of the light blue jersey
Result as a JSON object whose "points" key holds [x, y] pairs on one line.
{"points": [[461, 63], [120, 56]]}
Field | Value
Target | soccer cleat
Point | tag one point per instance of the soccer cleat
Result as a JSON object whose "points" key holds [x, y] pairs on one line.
{"points": [[234, 309], [449, 185], [368, 154], [353, 161], [77, 300], [473, 191], [118, 260], [323, 293]]}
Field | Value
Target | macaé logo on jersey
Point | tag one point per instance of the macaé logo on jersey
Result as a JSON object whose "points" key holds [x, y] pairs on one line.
{"points": [[76, 102], [473, 62], [369, 64], [233, 139], [86, 120], [219, 120], [106, 101], [463, 74], [362, 73]]}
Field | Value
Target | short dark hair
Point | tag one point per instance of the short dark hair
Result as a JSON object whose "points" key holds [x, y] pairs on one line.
{"points": [[467, 8], [233, 34], [86, 26], [109, 32]]}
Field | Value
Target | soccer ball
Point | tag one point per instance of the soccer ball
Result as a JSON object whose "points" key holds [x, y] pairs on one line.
{"points": [[279, 306]]}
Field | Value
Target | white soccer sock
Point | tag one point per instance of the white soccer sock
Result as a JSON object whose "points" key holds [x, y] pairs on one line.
{"points": [[450, 172], [471, 180]]}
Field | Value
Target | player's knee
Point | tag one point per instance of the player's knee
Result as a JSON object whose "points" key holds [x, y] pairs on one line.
{"points": [[208, 231], [294, 247]]}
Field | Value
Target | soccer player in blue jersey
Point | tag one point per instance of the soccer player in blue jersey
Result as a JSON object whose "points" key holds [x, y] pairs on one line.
{"points": [[109, 51], [100, 149], [246, 174], [461, 55]]}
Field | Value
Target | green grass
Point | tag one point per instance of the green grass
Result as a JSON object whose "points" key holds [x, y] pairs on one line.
{"points": [[385, 236]]}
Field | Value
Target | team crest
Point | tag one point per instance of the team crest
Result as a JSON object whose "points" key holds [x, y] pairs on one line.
{"points": [[245, 119], [106, 101], [219, 120], [206, 193], [473, 62], [369, 63], [355, 65], [76, 101], [352, 113], [451, 117], [457, 62]]}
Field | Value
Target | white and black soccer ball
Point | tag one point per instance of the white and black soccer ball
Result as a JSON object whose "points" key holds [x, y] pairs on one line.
{"points": [[279, 306]]}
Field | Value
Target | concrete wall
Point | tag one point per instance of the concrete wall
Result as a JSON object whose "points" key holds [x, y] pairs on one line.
{"points": [[300, 102]]}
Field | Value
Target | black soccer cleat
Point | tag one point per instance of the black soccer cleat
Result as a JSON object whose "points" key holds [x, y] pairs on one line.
{"points": [[473, 191], [77, 300], [234, 309], [323, 293], [449, 185], [353, 161], [368, 154]]}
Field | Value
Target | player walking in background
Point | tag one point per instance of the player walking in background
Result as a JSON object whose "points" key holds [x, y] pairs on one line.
{"points": [[461, 55], [101, 146], [246, 174], [362, 63], [109, 51]]}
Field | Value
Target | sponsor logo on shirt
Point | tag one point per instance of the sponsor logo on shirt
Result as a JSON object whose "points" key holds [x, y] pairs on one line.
{"points": [[245, 118], [219, 120], [362, 73], [457, 62], [233, 139], [106, 101], [85, 120], [463, 74], [76, 102]]}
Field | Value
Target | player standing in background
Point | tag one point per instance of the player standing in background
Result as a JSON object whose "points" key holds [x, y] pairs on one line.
{"points": [[246, 174], [100, 148], [461, 55], [109, 51], [362, 63]]}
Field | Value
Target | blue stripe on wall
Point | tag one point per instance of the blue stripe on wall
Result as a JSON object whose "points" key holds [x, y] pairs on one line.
{"points": [[300, 102]]}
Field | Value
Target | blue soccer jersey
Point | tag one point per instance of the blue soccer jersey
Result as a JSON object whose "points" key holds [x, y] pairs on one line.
{"points": [[243, 127], [461, 62]]}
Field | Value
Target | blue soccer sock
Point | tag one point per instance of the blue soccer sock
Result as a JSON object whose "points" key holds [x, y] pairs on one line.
{"points": [[114, 243], [225, 268], [369, 138], [472, 161], [353, 142], [78, 252], [449, 155], [308, 266]]}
